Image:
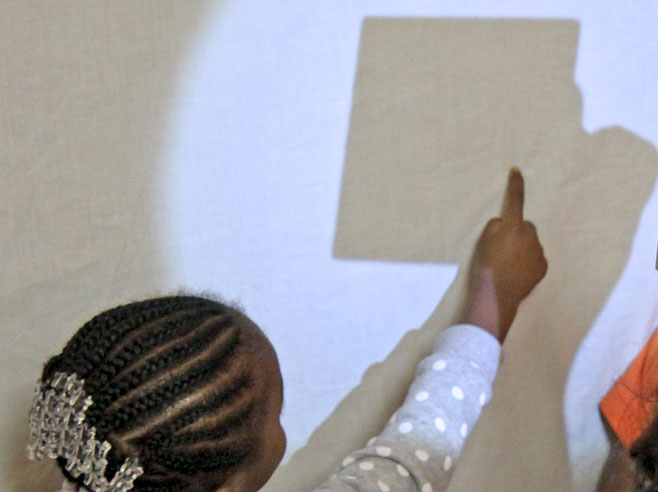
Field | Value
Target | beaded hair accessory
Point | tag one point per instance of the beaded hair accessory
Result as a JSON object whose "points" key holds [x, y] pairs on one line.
{"points": [[58, 429]]}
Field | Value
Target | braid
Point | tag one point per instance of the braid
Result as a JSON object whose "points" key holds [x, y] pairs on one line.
{"points": [[92, 341], [160, 334], [173, 433], [154, 370], [113, 389], [146, 404]]}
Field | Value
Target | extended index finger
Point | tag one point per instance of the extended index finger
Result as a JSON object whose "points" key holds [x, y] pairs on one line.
{"points": [[514, 195]]}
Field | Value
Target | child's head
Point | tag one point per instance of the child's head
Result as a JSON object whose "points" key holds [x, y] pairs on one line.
{"points": [[189, 386], [644, 456], [633, 468]]}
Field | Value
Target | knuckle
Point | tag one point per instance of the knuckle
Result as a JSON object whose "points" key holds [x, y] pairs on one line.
{"points": [[493, 224]]}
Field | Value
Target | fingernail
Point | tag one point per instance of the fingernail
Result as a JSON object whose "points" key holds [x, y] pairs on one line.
{"points": [[515, 170]]}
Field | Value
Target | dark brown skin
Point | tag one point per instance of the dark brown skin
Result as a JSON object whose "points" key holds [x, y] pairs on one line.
{"points": [[507, 264], [252, 477], [618, 474]]}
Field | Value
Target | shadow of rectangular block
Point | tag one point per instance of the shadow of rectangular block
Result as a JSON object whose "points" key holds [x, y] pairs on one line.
{"points": [[441, 109]]}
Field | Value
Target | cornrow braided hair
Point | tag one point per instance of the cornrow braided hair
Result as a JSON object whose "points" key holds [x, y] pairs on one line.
{"points": [[172, 385]]}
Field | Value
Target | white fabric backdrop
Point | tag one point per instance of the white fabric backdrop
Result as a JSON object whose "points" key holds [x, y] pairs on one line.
{"points": [[149, 147], [259, 140]]}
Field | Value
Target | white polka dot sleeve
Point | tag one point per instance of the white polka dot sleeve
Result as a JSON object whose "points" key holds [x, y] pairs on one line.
{"points": [[418, 449]]}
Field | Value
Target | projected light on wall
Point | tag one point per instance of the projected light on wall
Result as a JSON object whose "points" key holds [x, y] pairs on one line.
{"points": [[252, 190], [252, 183]]}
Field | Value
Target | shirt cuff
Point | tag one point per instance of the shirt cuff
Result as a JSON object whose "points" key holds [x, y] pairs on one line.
{"points": [[472, 342]]}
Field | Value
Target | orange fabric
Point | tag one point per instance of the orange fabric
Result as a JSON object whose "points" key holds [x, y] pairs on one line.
{"points": [[630, 406]]}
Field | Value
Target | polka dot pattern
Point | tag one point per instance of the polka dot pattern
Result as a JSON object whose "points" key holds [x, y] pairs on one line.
{"points": [[422, 455], [422, 396], [384, 451], [447, 463], [405, 427], [454, 382], [348, 461]]}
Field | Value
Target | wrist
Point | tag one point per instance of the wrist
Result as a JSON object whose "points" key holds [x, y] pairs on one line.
{"points": [[483, 309], [483, 314]]}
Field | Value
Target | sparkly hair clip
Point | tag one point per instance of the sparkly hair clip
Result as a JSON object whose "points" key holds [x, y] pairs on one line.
{"points": [[58, 429]]}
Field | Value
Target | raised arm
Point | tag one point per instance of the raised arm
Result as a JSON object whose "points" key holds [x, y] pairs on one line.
{"points": [[418, 449], [507, 264]]}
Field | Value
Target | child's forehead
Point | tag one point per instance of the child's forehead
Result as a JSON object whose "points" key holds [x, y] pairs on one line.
{"points": [[265, 363], [262, 357], [254, 336]]}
